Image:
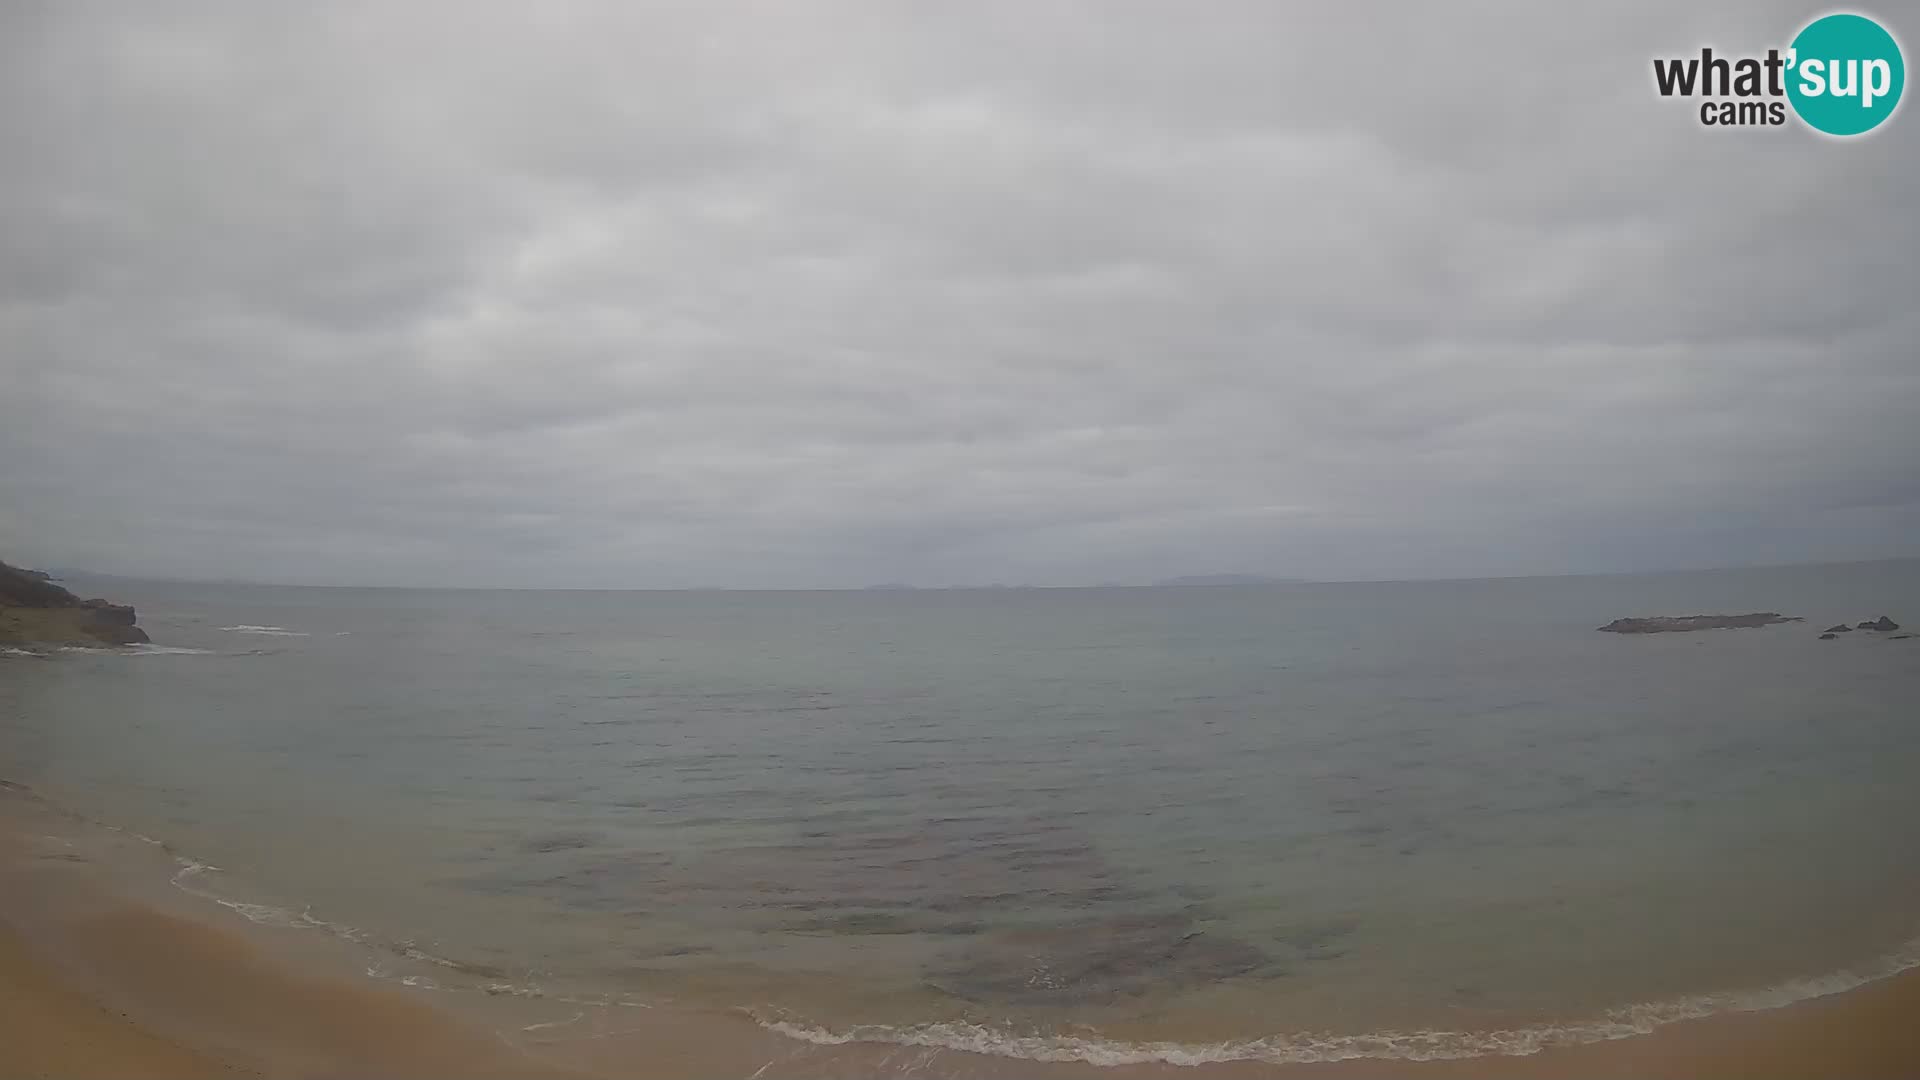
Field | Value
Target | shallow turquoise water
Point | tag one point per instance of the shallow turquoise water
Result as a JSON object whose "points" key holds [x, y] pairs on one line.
{"points": [[1175, 813]]}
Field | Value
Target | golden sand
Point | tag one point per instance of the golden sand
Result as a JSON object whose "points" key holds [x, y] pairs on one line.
{"points": [[96, 983], [49, 1029]]}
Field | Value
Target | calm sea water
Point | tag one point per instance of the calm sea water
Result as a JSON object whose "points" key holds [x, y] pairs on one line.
{"points": [[1206, 816]]}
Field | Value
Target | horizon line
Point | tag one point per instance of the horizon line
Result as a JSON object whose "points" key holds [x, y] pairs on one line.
{"points": [[1270, 581]]}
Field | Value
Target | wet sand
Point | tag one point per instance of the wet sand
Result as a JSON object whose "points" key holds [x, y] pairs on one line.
{"points": [[47, 1028], [95, 984], [96, 981]]}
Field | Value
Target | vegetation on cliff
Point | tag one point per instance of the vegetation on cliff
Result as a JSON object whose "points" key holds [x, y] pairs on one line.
{"points": [[36, 611]]}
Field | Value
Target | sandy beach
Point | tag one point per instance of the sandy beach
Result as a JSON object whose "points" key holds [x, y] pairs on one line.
{"points": [[959, 541], [96, 981]]}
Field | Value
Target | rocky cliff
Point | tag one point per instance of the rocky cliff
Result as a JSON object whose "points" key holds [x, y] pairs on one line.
{"points": [[36, 611]]}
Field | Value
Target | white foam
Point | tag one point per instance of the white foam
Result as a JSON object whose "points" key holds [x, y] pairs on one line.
{"points": [[1280, 1049], [413, 952], [270, 631], [1318, 1047], [9, 650], [146, 649], [261, 914], [140, 836], [576, 1018], [283, 918]]}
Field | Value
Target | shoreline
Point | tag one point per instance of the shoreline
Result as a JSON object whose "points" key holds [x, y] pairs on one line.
{"points": [[100, 979]]}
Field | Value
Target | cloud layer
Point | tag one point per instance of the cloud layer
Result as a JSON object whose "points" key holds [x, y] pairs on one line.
{"points": [[812, 295]]}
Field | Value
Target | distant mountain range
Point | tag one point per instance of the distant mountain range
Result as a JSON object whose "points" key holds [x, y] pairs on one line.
{"points": [[1227, 579], [1187, 581]]}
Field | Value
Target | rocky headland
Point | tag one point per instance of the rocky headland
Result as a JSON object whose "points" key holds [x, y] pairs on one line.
{"points": [[36, 611]]}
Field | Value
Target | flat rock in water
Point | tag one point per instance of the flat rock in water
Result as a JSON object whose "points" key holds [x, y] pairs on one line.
{"points": [[1882, 624], [1673, 624]]}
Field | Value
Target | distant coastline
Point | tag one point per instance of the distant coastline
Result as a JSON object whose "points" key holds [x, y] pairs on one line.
{"points": [[1222, 580], [108, 579]]}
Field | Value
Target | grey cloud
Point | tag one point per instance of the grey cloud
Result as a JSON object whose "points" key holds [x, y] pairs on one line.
{"points": [[772, 295]]}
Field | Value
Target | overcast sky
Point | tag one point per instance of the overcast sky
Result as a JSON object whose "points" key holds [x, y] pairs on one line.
{"points": [[810, 294]]}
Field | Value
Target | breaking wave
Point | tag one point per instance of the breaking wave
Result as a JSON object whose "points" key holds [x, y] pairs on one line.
{"points": [[286, 919], [147, 649], [263, 914], [268, 631], [1318, 1047]]}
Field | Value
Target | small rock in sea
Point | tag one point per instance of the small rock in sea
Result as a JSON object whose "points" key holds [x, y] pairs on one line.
{"points": [[1899, 637], [1882, 624], [1828, 636], [1843, 628]]}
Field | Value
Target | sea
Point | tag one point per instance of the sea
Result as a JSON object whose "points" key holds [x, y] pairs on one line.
{"points": [[1291, 822]]}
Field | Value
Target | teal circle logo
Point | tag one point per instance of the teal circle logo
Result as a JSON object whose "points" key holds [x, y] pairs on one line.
{"points": [[1845, 74]]}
